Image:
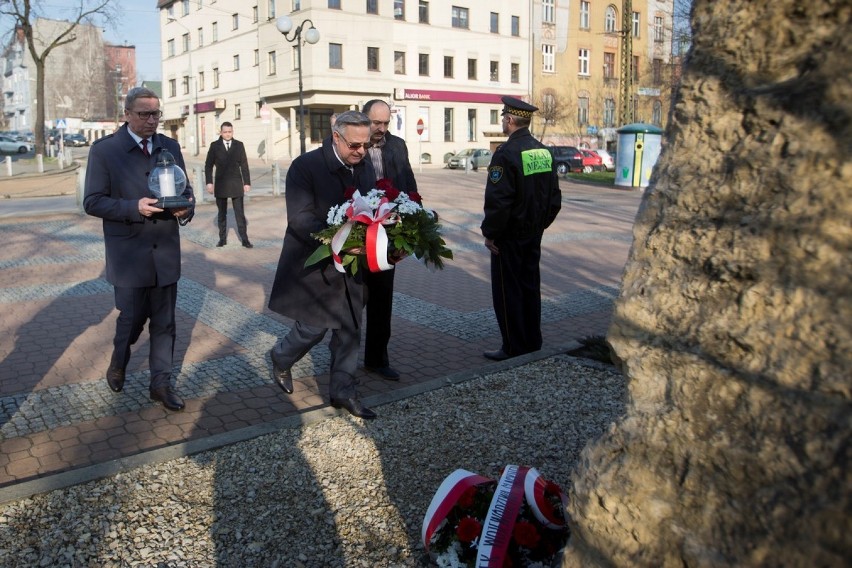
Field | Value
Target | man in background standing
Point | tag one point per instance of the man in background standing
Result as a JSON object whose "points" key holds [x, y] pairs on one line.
{"points": [[389, 156], [522, 198], [232, 181]]}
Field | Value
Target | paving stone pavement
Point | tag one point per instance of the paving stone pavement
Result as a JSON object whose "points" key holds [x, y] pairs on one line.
{"points": [[57, 414]]}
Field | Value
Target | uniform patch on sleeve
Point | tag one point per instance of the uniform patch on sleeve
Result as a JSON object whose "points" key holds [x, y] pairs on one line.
{"points": [[495, 173]]}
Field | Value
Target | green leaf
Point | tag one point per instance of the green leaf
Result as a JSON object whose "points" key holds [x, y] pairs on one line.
{"points": [[321, 253]]}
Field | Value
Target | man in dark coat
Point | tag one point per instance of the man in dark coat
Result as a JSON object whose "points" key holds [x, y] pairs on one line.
{"points": [[522, 198], [232, 180], [319, 297], [142, 241], [389, 156]]}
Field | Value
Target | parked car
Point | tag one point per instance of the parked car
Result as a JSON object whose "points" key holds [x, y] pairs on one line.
{"points": [[592, 162], [477, 156], [75, 140], [10, 146], [567, 159], [608, 160]]}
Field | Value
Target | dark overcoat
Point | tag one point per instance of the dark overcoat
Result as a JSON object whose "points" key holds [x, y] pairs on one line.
{"points": [[396, 164], [140, 252], [232, 171], [316, 295]]}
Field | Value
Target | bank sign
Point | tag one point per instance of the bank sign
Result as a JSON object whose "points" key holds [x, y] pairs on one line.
{"points": [[445, 96]]}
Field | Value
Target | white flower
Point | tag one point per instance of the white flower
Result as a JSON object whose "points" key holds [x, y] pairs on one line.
{"points": [[337, 214], [450, 557]]}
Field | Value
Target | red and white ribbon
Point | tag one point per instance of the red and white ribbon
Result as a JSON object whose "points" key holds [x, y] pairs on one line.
{"points": [[360, 211], [446, 498], [534, 489], [500, 521]]}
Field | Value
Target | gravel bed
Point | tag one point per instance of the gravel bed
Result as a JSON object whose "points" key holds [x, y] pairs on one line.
{"points": [[341, 492]]}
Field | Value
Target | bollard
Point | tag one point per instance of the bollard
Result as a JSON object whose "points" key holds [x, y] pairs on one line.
{"points": [[40, 163], [61, 161], [276, 180], [467, 164], [9, 166], [198, 184], [81, 188]]}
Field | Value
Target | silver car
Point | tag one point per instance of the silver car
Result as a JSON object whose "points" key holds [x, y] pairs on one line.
{"points": [[477, 156], [10, 146]]}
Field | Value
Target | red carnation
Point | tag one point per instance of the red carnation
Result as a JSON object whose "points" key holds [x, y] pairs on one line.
{"points": [[526, 535], [414, 196], [350, 191], [466, 499], [386, 185], [468, 529]]}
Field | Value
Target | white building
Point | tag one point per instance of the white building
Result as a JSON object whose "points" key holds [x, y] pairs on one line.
{"points": [[445, 63]]}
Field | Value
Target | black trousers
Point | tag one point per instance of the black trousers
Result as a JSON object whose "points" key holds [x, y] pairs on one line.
{"points": [[239, 215], [155, 305], [379, 302], [516, 293]]}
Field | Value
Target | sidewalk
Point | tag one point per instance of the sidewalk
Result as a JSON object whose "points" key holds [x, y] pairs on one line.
{"points": [[60, 424]]}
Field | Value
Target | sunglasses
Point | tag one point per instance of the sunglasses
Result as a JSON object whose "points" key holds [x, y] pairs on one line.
{"points": [[147, 114], [355, 146]]}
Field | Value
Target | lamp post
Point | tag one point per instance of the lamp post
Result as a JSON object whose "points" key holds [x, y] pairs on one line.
{"points": [[193, 111], [284, 25]]}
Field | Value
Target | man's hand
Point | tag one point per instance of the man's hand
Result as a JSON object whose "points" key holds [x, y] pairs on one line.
{"points": [[246, 188], [210, 188], [489, 244], [397, 255], [182, 212], [146, 206]]}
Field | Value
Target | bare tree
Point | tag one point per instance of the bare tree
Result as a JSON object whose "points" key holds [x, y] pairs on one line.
{"points": [[25, 13], [553, 109]]}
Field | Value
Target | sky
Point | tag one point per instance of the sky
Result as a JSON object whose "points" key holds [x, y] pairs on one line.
{"points": [[140, 27]]}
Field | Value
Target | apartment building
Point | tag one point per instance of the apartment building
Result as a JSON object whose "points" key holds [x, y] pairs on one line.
{"points": [[441, 64]]}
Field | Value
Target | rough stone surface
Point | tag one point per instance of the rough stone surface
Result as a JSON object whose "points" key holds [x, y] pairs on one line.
{"points": [[733, 324]]}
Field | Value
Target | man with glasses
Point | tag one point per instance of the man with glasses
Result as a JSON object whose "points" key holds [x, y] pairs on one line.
{"points": [[319, 298], [142, 241], [389, 156]]}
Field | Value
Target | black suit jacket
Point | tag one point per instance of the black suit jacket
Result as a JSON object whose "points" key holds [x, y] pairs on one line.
{"points": [[396, 165], [232, 171]]}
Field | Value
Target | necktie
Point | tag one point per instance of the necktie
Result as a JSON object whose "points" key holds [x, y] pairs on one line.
{"points": [[227, 146], [145, 148]]}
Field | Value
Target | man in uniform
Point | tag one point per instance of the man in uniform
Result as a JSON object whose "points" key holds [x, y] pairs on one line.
{"points": [[522, 198]]}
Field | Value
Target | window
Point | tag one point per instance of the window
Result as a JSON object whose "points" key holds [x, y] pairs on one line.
{"points": [[238, 112], [659, 35], [609, 65], [584, 62], [334, 4], [657, 113], [297, 5], [257, 106], [495, 23], [635, 24], [399, 62], [610, 22], [320, 124], [471, 69], [547, 58], [495, 71], [516, 26], [516, 72], [635, 68], [423, 12], [201, 80], [423, 64], [547, 11], [582, 111], [235, 22], [170, 47], [272, 63], [184, 40], [198, 4], [448, 67], [271, 8], [184, 8], [548, 104], [215, 32], [448, 125], [658, 71], [215, 77], [372, 59], [335, 56], [609, 113], [184, 84], [471, 125], [495, 116], [399, 9], [256, 57], [254, 15], [172, 88], [460, 17], [200, 37], [372, 6], [584, 15], [170, 11], [236, 63]]}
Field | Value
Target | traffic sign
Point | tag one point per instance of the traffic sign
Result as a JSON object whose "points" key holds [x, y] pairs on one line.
{"points": [[61, 125], [420, 126]]}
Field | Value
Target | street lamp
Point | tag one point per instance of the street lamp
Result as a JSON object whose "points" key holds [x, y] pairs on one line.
{"points": [[284, 25], [193, 111]]}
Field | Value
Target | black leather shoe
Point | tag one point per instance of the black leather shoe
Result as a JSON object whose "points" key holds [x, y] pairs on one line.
{"points": [[115, 379], [354, 406], [168, 397], [388, 372], [221, 243], [248, 244], [283, 377], [498, 355]]}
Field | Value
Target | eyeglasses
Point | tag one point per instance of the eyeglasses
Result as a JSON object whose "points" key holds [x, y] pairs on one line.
{"points": [[147, 114], [356, 145]]}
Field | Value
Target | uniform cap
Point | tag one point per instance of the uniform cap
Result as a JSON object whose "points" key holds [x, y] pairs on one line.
{"points": [[511, 105]]}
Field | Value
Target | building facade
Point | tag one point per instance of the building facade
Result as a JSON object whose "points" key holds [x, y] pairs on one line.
{"points": [[441, 65]]}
